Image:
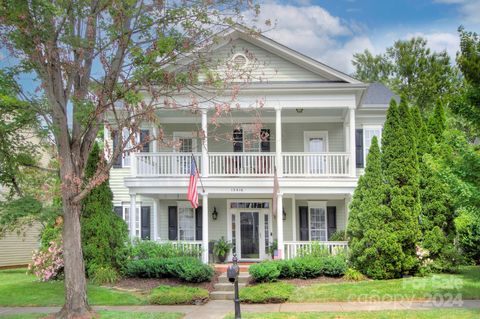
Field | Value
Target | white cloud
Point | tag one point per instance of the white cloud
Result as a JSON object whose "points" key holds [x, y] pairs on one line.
{"points": [[315, 32], [469, 9]]}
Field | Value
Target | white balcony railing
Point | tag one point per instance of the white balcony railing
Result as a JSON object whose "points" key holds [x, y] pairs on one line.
{"points": [[316, 164], [192, 248], [297, 248], [241, 164], [164, 164]]}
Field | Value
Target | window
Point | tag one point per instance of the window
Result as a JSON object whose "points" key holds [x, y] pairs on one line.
{"points": [[126, 218], [251, 138], [186, 222], [368, 133], [318, 221]]}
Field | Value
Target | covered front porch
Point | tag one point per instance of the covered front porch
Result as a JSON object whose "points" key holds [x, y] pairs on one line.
{"points": [[299, 223]]}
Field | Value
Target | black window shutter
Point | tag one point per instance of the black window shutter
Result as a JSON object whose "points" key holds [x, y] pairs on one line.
{"points": [[116, 138], [359, 148], [331, 220], [145, 227], [265, 143], [238, 140], [198, 223], [172, 223], [303, 223], [143, 135], [118, 210]]}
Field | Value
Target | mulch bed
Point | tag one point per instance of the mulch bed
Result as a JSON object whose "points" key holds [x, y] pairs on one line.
{"points": [[145, 285]]}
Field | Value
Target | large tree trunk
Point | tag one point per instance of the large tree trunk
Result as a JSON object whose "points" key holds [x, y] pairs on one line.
{"points": [[76, 305]]}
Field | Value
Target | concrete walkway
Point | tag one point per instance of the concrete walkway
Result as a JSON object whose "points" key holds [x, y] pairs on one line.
{"points": [[217, 309]]}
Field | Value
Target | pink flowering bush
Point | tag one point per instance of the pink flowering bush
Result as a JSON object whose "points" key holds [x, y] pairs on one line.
{"points": [[47, 264]]}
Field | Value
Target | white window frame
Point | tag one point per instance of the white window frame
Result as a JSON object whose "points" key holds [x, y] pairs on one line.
{"points": [[138, 209], [309, 134], [126, 158], [317, 204], [182, 134], [249, 127], [365, 149], [186, 205]]}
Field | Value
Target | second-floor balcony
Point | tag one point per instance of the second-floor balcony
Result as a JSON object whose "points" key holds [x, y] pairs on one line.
{"points": [[232, 164]]}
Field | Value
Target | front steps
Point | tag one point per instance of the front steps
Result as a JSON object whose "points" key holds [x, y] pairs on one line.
{"points": [[224, 289]]}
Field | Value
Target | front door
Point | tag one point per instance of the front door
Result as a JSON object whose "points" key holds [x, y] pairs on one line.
{"points": [[316, 143], [249, 235], [250, 229]]}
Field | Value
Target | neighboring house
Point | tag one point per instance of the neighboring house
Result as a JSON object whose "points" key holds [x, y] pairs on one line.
{"points": [[319, 123], [16, 248]]}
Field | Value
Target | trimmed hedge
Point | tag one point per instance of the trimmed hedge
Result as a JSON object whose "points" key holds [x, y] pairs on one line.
{"points": [[178, 295], [300, 267], [277, 292], [189, 269], [147, 249]]}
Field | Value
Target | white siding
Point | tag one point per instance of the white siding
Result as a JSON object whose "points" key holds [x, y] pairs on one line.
{"points": [[264, 66], [17, 249]]}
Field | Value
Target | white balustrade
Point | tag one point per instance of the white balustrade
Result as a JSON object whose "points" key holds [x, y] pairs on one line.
{"points": [[316, 164], [297, 248], [189, 247], [164, 164], [241, 164]]}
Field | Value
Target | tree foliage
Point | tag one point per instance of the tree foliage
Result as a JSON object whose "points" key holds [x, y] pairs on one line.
{"points": [[373, 246], [468, 60], [96, 61], [104, 234], [412, 70]]}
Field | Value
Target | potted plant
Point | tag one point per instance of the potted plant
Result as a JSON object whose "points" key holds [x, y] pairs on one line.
{"points": [[272, 248], [221, 248]]}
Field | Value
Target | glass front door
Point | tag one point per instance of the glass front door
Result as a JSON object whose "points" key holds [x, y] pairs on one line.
{"points": [[249, 235]]}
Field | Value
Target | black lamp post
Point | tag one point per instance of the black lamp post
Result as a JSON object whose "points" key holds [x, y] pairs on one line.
{"points": [[232, 274], [214, 213]]}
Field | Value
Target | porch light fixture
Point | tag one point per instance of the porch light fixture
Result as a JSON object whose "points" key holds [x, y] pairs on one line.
{"points": [[299, 110], [284, 215], [214, 213]]}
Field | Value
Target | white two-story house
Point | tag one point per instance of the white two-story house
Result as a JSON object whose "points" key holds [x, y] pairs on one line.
{"points": [[317, 124]]}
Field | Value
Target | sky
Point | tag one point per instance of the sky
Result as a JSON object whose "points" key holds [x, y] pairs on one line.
{"points": [[331, 31]]}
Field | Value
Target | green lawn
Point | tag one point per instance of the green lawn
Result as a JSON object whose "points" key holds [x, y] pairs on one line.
{"points": [[19, 289], [465, 285], [112, 315], [393, 314]]}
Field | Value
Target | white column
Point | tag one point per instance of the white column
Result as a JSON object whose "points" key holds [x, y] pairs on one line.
{"points": [[204, 144], [205, 228], [131, 217], [351, 117], [278, 141], [280, 245], [155, 220], [153, 132], [348, 199], [294, 219]]}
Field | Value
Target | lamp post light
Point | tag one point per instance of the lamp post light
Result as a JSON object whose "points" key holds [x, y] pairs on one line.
{"points": [[232, 274]]}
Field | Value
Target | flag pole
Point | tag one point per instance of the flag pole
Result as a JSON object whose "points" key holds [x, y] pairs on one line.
{"points": [[199, 175]]}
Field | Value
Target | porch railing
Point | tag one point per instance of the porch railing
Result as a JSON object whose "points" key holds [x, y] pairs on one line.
{"points": [[315, 164], [297, 248], [192, 248], [241, 164], [164, 164]]}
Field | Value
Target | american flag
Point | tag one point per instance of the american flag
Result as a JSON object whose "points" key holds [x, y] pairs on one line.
{"points": [[192, 194]]}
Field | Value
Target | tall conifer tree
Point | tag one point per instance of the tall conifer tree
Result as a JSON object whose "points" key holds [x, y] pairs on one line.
{"points": [[400, 170], [104, 234], [374, 248]]}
